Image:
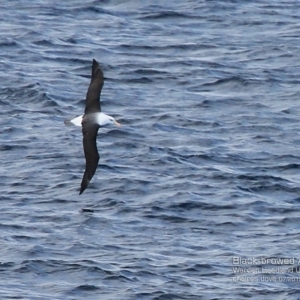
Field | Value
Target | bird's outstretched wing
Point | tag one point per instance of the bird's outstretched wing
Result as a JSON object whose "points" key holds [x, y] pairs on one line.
{"points": [[91, 154], [92, 102]]}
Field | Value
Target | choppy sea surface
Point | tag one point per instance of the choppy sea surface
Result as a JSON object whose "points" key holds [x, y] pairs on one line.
{"points": [[196, 196]]}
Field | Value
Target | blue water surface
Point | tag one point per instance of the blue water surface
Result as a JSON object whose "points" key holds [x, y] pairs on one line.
{"points": [[202, 177]]}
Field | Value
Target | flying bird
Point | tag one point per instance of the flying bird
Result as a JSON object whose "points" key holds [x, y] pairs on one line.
{"points": [[90, 122]]}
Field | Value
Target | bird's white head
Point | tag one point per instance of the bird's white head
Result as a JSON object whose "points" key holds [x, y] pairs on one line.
{"points": [[104, 120]]}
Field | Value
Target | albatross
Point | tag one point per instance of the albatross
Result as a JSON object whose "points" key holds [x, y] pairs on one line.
{"points": [[90, 122]]}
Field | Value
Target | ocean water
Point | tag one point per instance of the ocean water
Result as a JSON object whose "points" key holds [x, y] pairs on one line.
{"points": [[196, 196]]}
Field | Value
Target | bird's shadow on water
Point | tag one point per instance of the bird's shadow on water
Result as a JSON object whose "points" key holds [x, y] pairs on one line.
{"points": [[100, 205], [87, 210]]}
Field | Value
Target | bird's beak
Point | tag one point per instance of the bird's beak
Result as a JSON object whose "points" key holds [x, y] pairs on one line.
{"points": [[116, 123]]}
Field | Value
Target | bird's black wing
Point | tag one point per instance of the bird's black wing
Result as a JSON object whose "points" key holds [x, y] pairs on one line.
{"points": [[92, 102], [89, 132]]}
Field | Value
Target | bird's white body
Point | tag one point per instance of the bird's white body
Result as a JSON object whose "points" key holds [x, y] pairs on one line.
{"points": [[100, 118], [77, 121]]}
